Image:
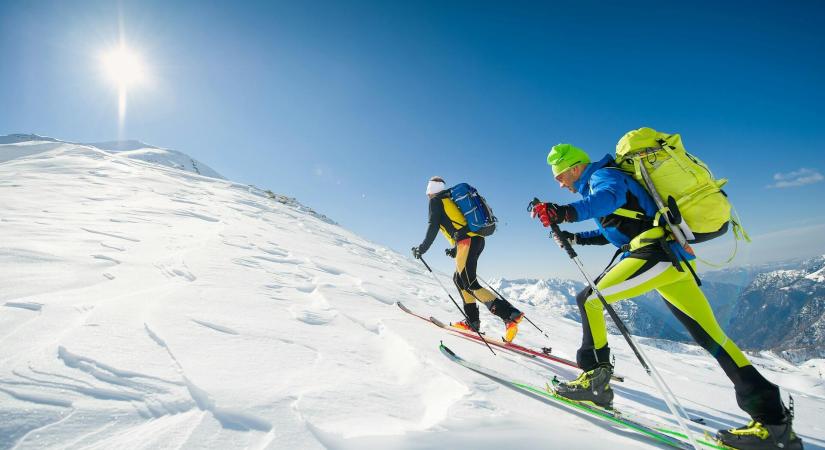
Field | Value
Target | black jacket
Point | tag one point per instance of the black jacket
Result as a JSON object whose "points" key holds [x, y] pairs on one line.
{"points": [[438, 219]]}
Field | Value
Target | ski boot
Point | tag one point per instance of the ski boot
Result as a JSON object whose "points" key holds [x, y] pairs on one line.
{"points": [[509, 314], [465, 326], [758, 436], [512, 326], [592, 386]]}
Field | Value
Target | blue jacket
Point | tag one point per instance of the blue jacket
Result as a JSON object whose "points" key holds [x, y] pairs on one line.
{"points": [[604, 189]]}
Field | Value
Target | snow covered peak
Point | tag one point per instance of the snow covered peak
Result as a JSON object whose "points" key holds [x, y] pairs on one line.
{"points": [[812, 269], [818, 276], [18, 138], [20, 145], [119, 146]]}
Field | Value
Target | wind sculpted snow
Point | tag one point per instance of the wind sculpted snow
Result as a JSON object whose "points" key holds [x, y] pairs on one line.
{"points": [[148, 307]]}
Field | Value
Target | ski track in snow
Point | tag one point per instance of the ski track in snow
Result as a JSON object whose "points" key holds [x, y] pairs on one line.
{"points": [[157, 308]]}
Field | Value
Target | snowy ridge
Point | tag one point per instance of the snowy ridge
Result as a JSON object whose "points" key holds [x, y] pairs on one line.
{"points": [[149, 307], [777, 279], [18, 145]]}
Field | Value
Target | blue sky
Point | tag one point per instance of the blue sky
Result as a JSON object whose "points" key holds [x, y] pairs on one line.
{"points": [[351, 106]]}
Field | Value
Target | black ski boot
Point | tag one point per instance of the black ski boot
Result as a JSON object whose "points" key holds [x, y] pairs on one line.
{"points": [[474, 323], [509, 314], [592, 386], [758, 436]]}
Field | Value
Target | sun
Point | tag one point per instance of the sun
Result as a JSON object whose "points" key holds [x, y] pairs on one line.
{"points": [[122, 66]]}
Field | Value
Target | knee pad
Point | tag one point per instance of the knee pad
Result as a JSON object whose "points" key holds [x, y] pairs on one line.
{"points": [[583, 295], [457, 279]]}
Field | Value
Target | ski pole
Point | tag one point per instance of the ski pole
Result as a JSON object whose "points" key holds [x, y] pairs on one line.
{"points": [[649, 368], [502, 297], [478, 332]]}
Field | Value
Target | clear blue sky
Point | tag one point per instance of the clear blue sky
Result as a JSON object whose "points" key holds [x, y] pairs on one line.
{"points": [[351, 106]]}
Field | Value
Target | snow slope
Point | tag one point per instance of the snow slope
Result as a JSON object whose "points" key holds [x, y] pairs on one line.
{"points": [[30, 144], [148, 307]]}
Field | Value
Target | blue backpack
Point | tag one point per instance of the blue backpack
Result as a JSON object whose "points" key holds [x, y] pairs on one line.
{"points": [[480, 218]]}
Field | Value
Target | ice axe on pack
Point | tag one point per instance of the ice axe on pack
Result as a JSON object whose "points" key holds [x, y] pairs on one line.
{"points": [[665, 391]]}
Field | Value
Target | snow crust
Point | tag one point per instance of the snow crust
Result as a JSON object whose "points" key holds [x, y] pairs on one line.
{"points": [[144, 306]]}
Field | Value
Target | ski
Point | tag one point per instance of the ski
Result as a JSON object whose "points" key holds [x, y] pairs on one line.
{"points": [[509, 346], [658, 434]]}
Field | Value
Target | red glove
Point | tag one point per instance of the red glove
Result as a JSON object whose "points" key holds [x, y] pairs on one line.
{"points": [[550, 213]]}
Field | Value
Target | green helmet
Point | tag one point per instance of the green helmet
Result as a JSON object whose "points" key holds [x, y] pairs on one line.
{"points": [[563, 157]]}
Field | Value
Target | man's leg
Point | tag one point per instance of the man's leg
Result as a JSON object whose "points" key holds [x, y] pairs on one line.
{"points": [[754, 394], [474, 247], [470, 305], [629, 278], [497, 306], [771, 426]]}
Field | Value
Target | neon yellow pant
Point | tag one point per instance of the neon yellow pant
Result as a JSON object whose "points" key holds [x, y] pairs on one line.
{"points": [[632, 277]]}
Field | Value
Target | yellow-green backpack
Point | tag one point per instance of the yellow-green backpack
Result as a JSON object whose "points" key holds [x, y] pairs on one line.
{"points": [[680, 183]]}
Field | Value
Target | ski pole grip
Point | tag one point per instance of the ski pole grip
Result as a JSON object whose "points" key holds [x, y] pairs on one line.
{"points": [[564, 242]]}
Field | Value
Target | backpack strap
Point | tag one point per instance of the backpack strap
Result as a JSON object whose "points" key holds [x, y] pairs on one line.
{"points": [[630, 214], [626, 212]]}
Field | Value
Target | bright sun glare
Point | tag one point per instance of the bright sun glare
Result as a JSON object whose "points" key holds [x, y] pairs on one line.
{"points": [[122, 66]]}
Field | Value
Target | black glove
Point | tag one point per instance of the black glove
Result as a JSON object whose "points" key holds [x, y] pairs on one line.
{"points": [[567, 236], [450, 252], [416, 252]]}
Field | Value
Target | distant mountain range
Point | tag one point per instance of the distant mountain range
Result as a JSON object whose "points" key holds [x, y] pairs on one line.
{"points": [[777, 306]]}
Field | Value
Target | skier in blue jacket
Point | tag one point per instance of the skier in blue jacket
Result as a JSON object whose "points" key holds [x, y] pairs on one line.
{"points": [[650, 259]]}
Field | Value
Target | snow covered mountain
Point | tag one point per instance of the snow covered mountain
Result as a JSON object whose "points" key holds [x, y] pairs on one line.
{"points": [[143, 305], [29, 144], [784, 310]]}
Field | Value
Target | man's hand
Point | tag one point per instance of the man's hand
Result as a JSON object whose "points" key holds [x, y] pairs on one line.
{"points": [[450, 252], [551, 213], [565, 235], [416, 252]]}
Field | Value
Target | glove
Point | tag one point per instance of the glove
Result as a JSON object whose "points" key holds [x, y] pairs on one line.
{"points": [[416, 252], [450, 252], [567, 236], [551, 213]]}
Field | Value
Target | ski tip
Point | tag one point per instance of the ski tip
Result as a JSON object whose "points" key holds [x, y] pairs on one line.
{"points": [[438, 322], [446, 349]]}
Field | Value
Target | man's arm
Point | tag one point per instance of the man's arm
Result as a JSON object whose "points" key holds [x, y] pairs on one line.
{"points": [[592, 237], [608, 192], [436, 214]]}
